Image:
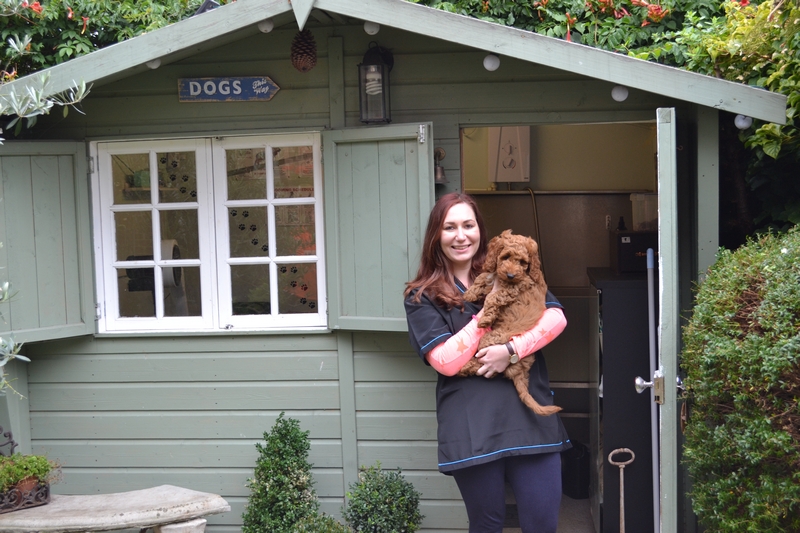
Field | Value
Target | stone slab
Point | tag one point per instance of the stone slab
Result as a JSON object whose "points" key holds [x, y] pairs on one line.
{"points": [[165, 504]]}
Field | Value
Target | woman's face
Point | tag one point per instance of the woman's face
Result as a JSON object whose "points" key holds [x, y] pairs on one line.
{"points": [[460, 235]]}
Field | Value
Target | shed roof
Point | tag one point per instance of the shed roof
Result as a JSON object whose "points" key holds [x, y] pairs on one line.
{"points": [[239, 19]]}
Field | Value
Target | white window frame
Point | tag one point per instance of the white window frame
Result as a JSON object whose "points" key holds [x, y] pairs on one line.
{"points": [[213, 239]]}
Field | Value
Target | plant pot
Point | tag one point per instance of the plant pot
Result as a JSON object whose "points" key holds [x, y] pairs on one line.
{"points": [[29, 492]]}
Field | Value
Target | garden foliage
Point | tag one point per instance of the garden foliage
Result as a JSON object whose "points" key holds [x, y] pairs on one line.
{"points": [[742, 362], [382, 502], [281, 491], [320, 523]]}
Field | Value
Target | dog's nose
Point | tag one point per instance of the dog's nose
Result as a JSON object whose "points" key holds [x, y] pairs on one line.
{"points": [[510, 276]]}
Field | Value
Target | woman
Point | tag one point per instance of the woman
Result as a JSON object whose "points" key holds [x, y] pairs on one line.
{"points": [[486, 434]]}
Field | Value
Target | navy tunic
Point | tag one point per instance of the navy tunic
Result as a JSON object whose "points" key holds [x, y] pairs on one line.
{"points": [[482, 419]]}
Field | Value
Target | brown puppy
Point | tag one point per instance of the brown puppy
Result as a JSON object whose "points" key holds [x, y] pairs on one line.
{"points": [[517, 305]]}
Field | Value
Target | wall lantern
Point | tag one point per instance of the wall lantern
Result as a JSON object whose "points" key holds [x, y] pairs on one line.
{"points": [[373, 85]]}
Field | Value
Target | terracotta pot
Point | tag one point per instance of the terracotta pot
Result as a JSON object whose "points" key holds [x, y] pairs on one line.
{"points": [[28, 484]]}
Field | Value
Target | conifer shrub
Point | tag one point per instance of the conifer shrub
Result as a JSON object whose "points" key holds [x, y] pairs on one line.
{"points": [[281, 491], [382, 502], [742, 361]]}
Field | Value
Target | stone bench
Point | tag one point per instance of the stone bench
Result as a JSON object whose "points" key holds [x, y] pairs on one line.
{"points": [[166, 509]]}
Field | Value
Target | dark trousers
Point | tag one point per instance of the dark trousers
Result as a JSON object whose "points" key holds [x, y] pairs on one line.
{"points": [[535, 480]]}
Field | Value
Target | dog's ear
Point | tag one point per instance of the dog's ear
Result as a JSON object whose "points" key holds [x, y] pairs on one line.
{"points": [[493, 251], [534, 266]]}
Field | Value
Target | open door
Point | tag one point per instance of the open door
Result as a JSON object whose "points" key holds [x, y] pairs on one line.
{"points": [[669, 319]]}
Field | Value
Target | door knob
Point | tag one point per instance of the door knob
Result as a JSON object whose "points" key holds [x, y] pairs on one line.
{"points": [[657, 385]]}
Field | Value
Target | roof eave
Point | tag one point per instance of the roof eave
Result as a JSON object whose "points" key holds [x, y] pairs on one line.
{"points": [[182, 38], [188, 36], [572, 57]]}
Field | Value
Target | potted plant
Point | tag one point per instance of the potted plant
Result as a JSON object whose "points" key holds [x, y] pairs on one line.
{"points": [[24, 481]]}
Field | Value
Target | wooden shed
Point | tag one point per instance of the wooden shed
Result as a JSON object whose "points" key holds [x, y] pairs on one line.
{"points": [[192, 261]]}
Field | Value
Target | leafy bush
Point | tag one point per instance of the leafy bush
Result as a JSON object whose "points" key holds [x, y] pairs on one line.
{"points": [[17, 467], [321, 523], [282, 491], [742, 363], [382, 502]]}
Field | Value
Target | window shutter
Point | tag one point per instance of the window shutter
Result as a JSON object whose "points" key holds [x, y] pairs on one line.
{"points": [[45, 231], [378, 194]]}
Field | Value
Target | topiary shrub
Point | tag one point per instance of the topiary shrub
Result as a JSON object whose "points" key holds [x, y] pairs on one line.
{"points": [[382, 502], [281, 492], [320, 523], [742, 361]]}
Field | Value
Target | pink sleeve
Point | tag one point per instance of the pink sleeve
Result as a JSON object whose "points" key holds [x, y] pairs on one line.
{"points": [[448, 357], [550, 326]]}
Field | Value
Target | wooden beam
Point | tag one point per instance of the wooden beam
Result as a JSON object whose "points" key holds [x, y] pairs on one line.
{"points": [[135, 53], [572, 57]]}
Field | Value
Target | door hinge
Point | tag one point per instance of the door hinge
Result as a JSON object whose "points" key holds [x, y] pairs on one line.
{"points": [[98, 311], [90, 161], [422, 132]]}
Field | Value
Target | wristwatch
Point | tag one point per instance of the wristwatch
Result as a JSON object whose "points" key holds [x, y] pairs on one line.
{"points": [[512, 356]]}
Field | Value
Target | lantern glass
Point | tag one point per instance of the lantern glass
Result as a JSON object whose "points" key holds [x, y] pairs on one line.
{"points": [[373, 85]]}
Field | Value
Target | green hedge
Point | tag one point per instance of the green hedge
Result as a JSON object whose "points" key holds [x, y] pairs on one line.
{"points": [[742, 362]]}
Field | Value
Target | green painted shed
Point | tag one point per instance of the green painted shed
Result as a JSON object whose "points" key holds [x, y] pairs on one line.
{"points": [[191, 262]]}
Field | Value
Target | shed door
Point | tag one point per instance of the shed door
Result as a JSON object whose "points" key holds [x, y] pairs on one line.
{"points": [[44, 228], [378, 194], [669, 336]]}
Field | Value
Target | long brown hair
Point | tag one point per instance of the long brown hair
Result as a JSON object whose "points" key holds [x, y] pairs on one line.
{"points": [[435, 274]]}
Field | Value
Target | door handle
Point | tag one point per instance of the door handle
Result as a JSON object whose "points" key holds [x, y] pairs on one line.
{"points": [[657, 385]]}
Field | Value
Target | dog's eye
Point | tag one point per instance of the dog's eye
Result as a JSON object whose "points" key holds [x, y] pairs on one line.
{"points": [[504, 257]]}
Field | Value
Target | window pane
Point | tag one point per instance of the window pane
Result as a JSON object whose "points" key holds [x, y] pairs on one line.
{"points": [[182, 291], [247, 174], [294, 230], [136, 292], [131, 178], [248, 231], [179, 228], [134, 232], [250, 289], [177, 177], [297, 288], [294, 172]]}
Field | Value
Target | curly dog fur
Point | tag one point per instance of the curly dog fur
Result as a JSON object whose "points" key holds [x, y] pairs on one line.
{"points": [[517, 305]]}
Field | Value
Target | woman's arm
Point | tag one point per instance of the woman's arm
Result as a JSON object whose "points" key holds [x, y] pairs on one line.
{"points": [[550, 326], [448, 357], [495, 358]]}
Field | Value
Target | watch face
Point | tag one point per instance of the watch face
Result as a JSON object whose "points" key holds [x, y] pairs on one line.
{"points": [[513, 358]]}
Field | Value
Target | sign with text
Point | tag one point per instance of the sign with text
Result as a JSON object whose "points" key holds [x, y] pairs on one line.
{"points": [[228, 89]]}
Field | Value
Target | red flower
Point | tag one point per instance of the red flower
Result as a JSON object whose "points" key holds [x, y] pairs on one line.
{"points": [[744, 2], [37, 7], [85, 21], [69, 13]]}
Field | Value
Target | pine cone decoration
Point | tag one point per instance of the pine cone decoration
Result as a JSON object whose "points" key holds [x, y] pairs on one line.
{"points": [[304, 51]]}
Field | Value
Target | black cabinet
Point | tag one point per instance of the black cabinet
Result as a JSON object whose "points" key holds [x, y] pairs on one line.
{"points": [[623, 414]]}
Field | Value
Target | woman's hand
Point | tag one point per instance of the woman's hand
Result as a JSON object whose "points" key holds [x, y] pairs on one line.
{"points": [[494, 359]]}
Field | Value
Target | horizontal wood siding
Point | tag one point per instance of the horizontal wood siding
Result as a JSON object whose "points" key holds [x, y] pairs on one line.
{"points": [[125, 414]]}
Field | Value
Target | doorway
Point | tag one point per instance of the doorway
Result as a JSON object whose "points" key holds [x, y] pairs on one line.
{"points": [[570, 187]]}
